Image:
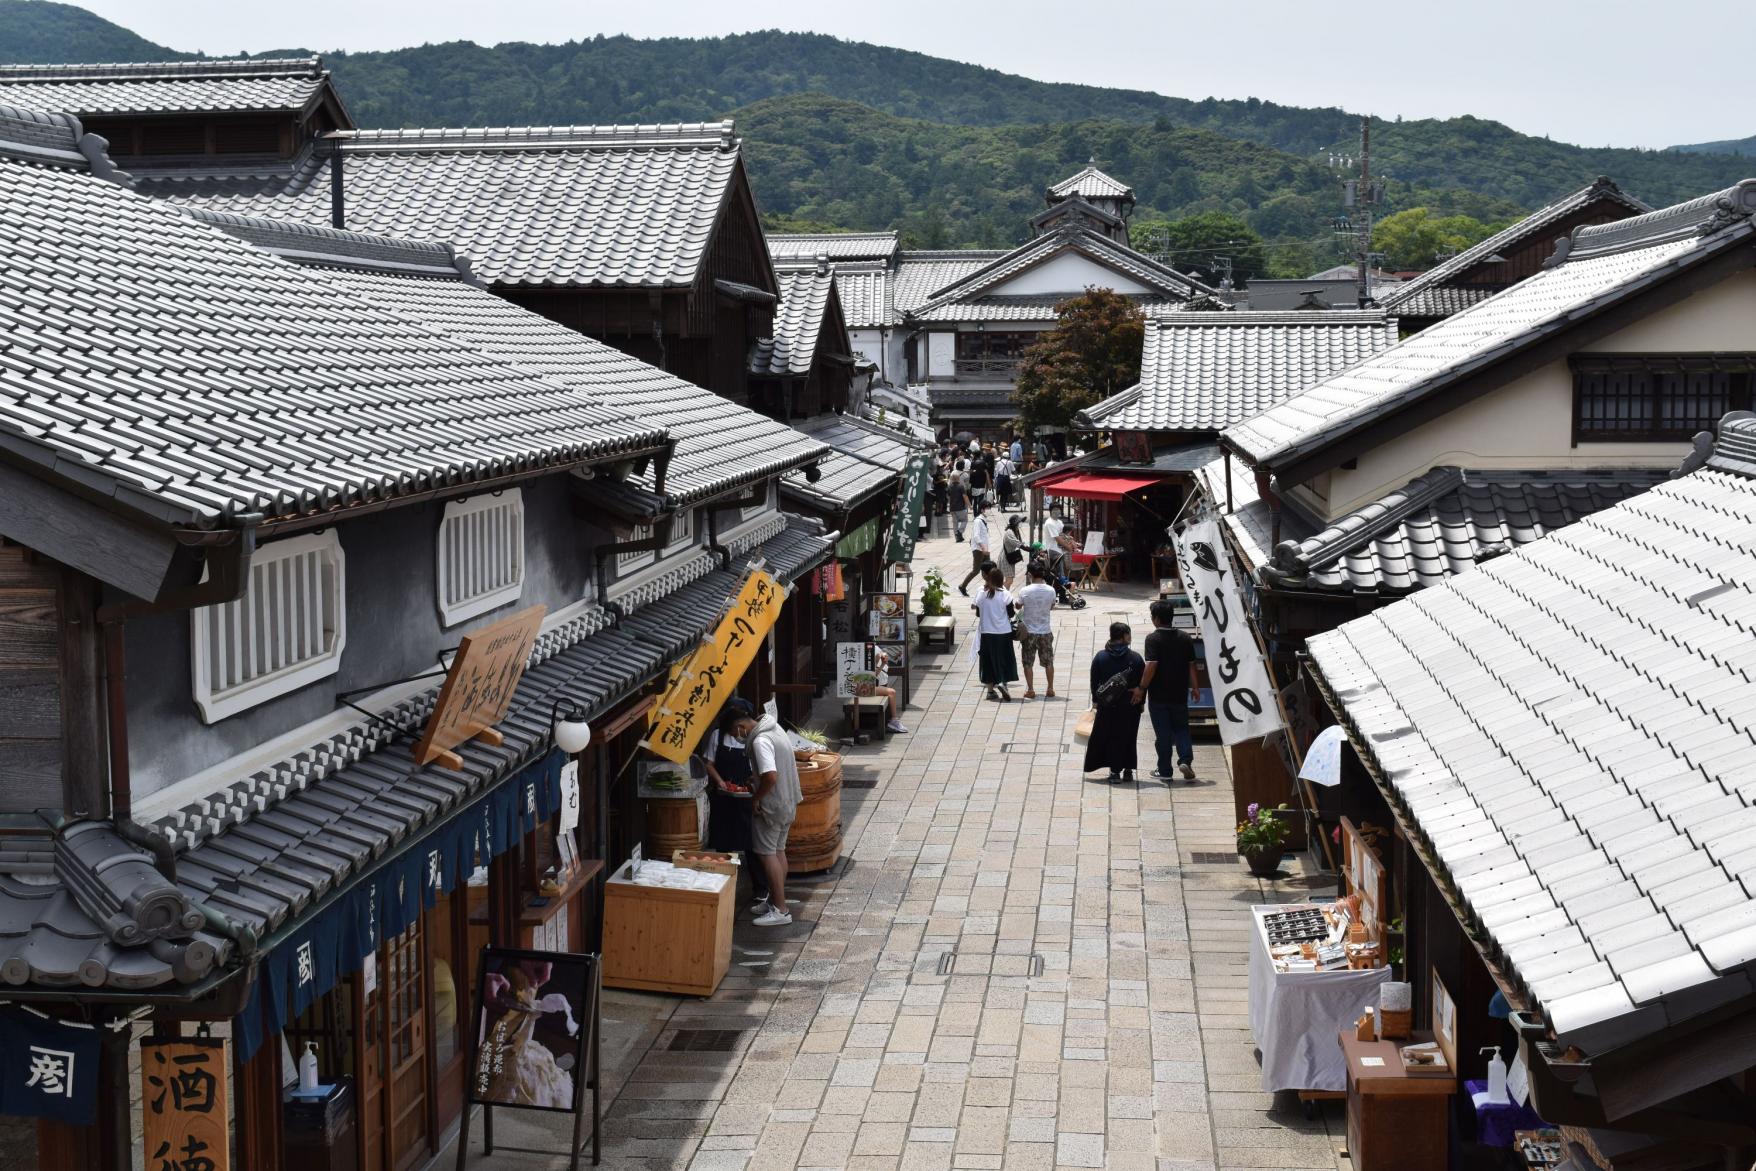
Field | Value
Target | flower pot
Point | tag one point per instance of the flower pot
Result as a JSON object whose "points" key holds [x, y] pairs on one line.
{"points": [[1264, 861]]}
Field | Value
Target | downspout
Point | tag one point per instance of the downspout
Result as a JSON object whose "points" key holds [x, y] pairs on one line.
{"points": [[338, 212], [661, 536], [758, 495]]}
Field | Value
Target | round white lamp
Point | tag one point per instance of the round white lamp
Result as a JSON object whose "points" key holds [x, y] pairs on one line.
{"points": [[572, 733]]}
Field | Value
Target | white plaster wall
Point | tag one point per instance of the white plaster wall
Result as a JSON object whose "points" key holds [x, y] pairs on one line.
{"points": [[1528, 423], [1069, 272], [941, 353]]}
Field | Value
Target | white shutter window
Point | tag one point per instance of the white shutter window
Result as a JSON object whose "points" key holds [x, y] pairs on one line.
{"points": [[682, 530], [626, 560], [480, 554], [752, 511], [287, 630]]}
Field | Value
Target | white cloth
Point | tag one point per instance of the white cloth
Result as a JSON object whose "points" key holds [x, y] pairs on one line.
{"points": [[1035, 603], [992, 612], [1297, 1017], [1323, 762], [978, 535]]}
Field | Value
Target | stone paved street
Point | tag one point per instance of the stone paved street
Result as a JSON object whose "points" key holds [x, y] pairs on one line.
{"points": [[1020, 968]]}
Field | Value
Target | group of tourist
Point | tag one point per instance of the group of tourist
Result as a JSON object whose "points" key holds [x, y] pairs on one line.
{"points": [[976, 476]]}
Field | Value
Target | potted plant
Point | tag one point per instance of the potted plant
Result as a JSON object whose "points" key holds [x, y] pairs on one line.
{"points": [[1262, 840], [933, 590]]}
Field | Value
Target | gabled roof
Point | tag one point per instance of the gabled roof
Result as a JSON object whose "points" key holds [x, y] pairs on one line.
{"points": [[719, 445], [807, 298], [1068, 238], [150, 359], [805, 246], [1568, 732], [1533, 225], [277, 85], [1445, 522], [919, 275], [532, 206], [1090, 183], [1205, 371], [864, 288], [1076, 208], [1596, 268]]}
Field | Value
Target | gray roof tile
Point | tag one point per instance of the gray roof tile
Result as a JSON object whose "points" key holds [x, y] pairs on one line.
{"points": [[805, 299], [1090, 183], [157, 360], [261, 85], [561, 205], [1571, 664], [1603, 264], [1206, 371], [866, 459], [837, 246]]}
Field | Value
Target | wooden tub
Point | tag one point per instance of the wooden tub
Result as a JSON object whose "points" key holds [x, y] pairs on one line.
{"points": [[814, 842]]}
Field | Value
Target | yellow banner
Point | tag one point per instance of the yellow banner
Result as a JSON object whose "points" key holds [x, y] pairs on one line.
{"points": [[710, 675]]}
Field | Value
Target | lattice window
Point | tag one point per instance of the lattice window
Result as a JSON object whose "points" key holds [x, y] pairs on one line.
{"points": [[627, 560], [287, 630], [481, 554], [682, 530], [1660, 398]]}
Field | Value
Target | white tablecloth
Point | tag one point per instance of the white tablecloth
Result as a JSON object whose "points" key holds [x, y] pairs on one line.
{"points": [[1297, 1015]]}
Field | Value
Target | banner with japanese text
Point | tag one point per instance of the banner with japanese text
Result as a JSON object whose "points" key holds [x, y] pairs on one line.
{"points": [[1243, 694], [48, 1068], [710, 676], [911, 500], [187, 1119]]}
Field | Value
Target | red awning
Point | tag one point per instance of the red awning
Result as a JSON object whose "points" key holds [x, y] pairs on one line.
{"points": [[1087, 487]]}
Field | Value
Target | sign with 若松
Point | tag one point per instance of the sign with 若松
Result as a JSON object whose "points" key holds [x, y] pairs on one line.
{"points": [[905, 522], [187, 1116], [478, 687], [1243, 694], [711, 674], [48, 1068]]}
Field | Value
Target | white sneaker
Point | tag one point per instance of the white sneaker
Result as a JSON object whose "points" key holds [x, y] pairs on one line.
{"points": [[774, 918], [1188, 771]]}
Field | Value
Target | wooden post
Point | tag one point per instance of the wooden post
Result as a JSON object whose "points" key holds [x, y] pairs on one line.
{"points": [[256, 1088]]}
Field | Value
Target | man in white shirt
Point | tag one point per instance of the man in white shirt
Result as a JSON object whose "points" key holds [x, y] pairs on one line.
{"points": [[1036, 602], [1052, 530], [776, 802], [980, 546]]}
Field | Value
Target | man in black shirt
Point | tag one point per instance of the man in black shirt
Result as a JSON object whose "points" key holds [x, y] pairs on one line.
{"points": [[1168, 685]]}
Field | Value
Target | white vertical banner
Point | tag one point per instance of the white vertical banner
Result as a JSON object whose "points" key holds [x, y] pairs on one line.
{"points": [[570, 795], [1243, 694]]}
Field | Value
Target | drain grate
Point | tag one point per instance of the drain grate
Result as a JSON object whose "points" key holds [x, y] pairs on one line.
{"points": [[1030, 747], [858, 777], [1210, 859], [1036, 964], [705, 1040], [948, 964]]}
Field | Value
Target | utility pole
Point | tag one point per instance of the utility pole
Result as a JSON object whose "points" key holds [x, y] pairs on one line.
{"points": [[1364, 193]]}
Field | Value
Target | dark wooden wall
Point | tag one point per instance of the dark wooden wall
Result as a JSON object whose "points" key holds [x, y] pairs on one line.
{"points": [[51, 730], [1526, 259]]}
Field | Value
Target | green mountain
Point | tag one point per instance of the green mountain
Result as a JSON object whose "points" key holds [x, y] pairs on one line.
{"points": [[1725, 146], [795, 93]]}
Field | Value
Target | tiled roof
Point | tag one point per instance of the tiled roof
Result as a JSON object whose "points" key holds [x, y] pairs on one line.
{"points": [[866, 459], [1206, 371], [1570, 730], [805, 298], [1601, 266], [568, 205], [277, 85], [1504, 240], [1090, 183], [155, 360], [921, 274], [1024, 307], [719, 445], [1444, 523], [1248, 522], [805, 246], [1069, 237], [1440, 301], [864, 290]]}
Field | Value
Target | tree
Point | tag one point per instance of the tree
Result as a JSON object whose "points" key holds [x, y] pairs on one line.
{"points": [[1092, 353], [1415, 238], [1197, 240]]}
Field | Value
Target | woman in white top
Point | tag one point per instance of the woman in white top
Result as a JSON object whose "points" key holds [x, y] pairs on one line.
{"points": [[993, 607]]}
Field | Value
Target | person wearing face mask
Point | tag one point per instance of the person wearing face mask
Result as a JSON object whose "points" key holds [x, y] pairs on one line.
{"points": [[729, 782]]}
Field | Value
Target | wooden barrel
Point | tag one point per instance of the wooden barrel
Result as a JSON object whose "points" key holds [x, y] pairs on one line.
{"points": [[672, 823], [814, 843]]}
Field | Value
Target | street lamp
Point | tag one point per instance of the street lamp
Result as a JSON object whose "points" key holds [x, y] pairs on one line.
{"points": [[572, 733]]}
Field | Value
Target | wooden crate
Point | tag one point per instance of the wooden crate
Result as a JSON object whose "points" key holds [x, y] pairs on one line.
{"points": [[662, 940]]}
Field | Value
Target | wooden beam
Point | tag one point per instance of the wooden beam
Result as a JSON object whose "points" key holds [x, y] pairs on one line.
{"points": [[76, 532]]}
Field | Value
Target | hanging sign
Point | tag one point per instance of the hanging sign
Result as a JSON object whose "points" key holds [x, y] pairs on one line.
{"points": [[911, 500], [187, 1118], [1243, 695], [570, 795], [826, 582], [48, 1068], [478, 688], [711, 674]]}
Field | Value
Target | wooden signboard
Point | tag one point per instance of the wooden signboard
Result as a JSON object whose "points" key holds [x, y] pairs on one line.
{"points": [[183, 1097], [478, 688], [1365, 877]]}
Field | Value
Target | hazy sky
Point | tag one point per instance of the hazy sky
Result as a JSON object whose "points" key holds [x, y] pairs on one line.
{"points": [[1610, 72]]}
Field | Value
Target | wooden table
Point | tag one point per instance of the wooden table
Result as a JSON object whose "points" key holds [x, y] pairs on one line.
{"points": [[1396, 1120]]}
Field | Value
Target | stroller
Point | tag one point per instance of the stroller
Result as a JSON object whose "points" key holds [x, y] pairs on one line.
{"points": [[1055, 570]]}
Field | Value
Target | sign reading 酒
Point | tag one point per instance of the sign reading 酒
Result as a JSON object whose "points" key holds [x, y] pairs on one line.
{"points": [[478, 688], [1243, 696], [710, 675], [187, 1118]]}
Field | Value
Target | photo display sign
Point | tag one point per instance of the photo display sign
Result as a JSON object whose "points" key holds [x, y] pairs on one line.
{"points": [[187, 1115], [535, 1015], [1243, 696], [911, 500], [854, 669], [478, 687], [710, 675]]}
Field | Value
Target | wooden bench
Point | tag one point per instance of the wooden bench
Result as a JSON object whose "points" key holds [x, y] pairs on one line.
{"points": [[940, 628], [860, 709]]}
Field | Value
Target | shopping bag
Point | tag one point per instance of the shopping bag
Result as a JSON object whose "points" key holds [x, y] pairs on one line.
{"points": [[1082, 726]]}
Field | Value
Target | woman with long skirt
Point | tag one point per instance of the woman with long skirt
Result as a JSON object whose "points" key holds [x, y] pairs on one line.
{"points": [[1115, 673], [993, 607]]}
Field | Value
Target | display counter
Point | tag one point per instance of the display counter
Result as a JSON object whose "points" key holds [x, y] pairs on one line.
{"points": [[1397, 1117], [1295, 1015], [668, 938]]}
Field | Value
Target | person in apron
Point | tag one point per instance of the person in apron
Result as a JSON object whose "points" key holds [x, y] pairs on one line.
{"points": [[729, 805]]}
